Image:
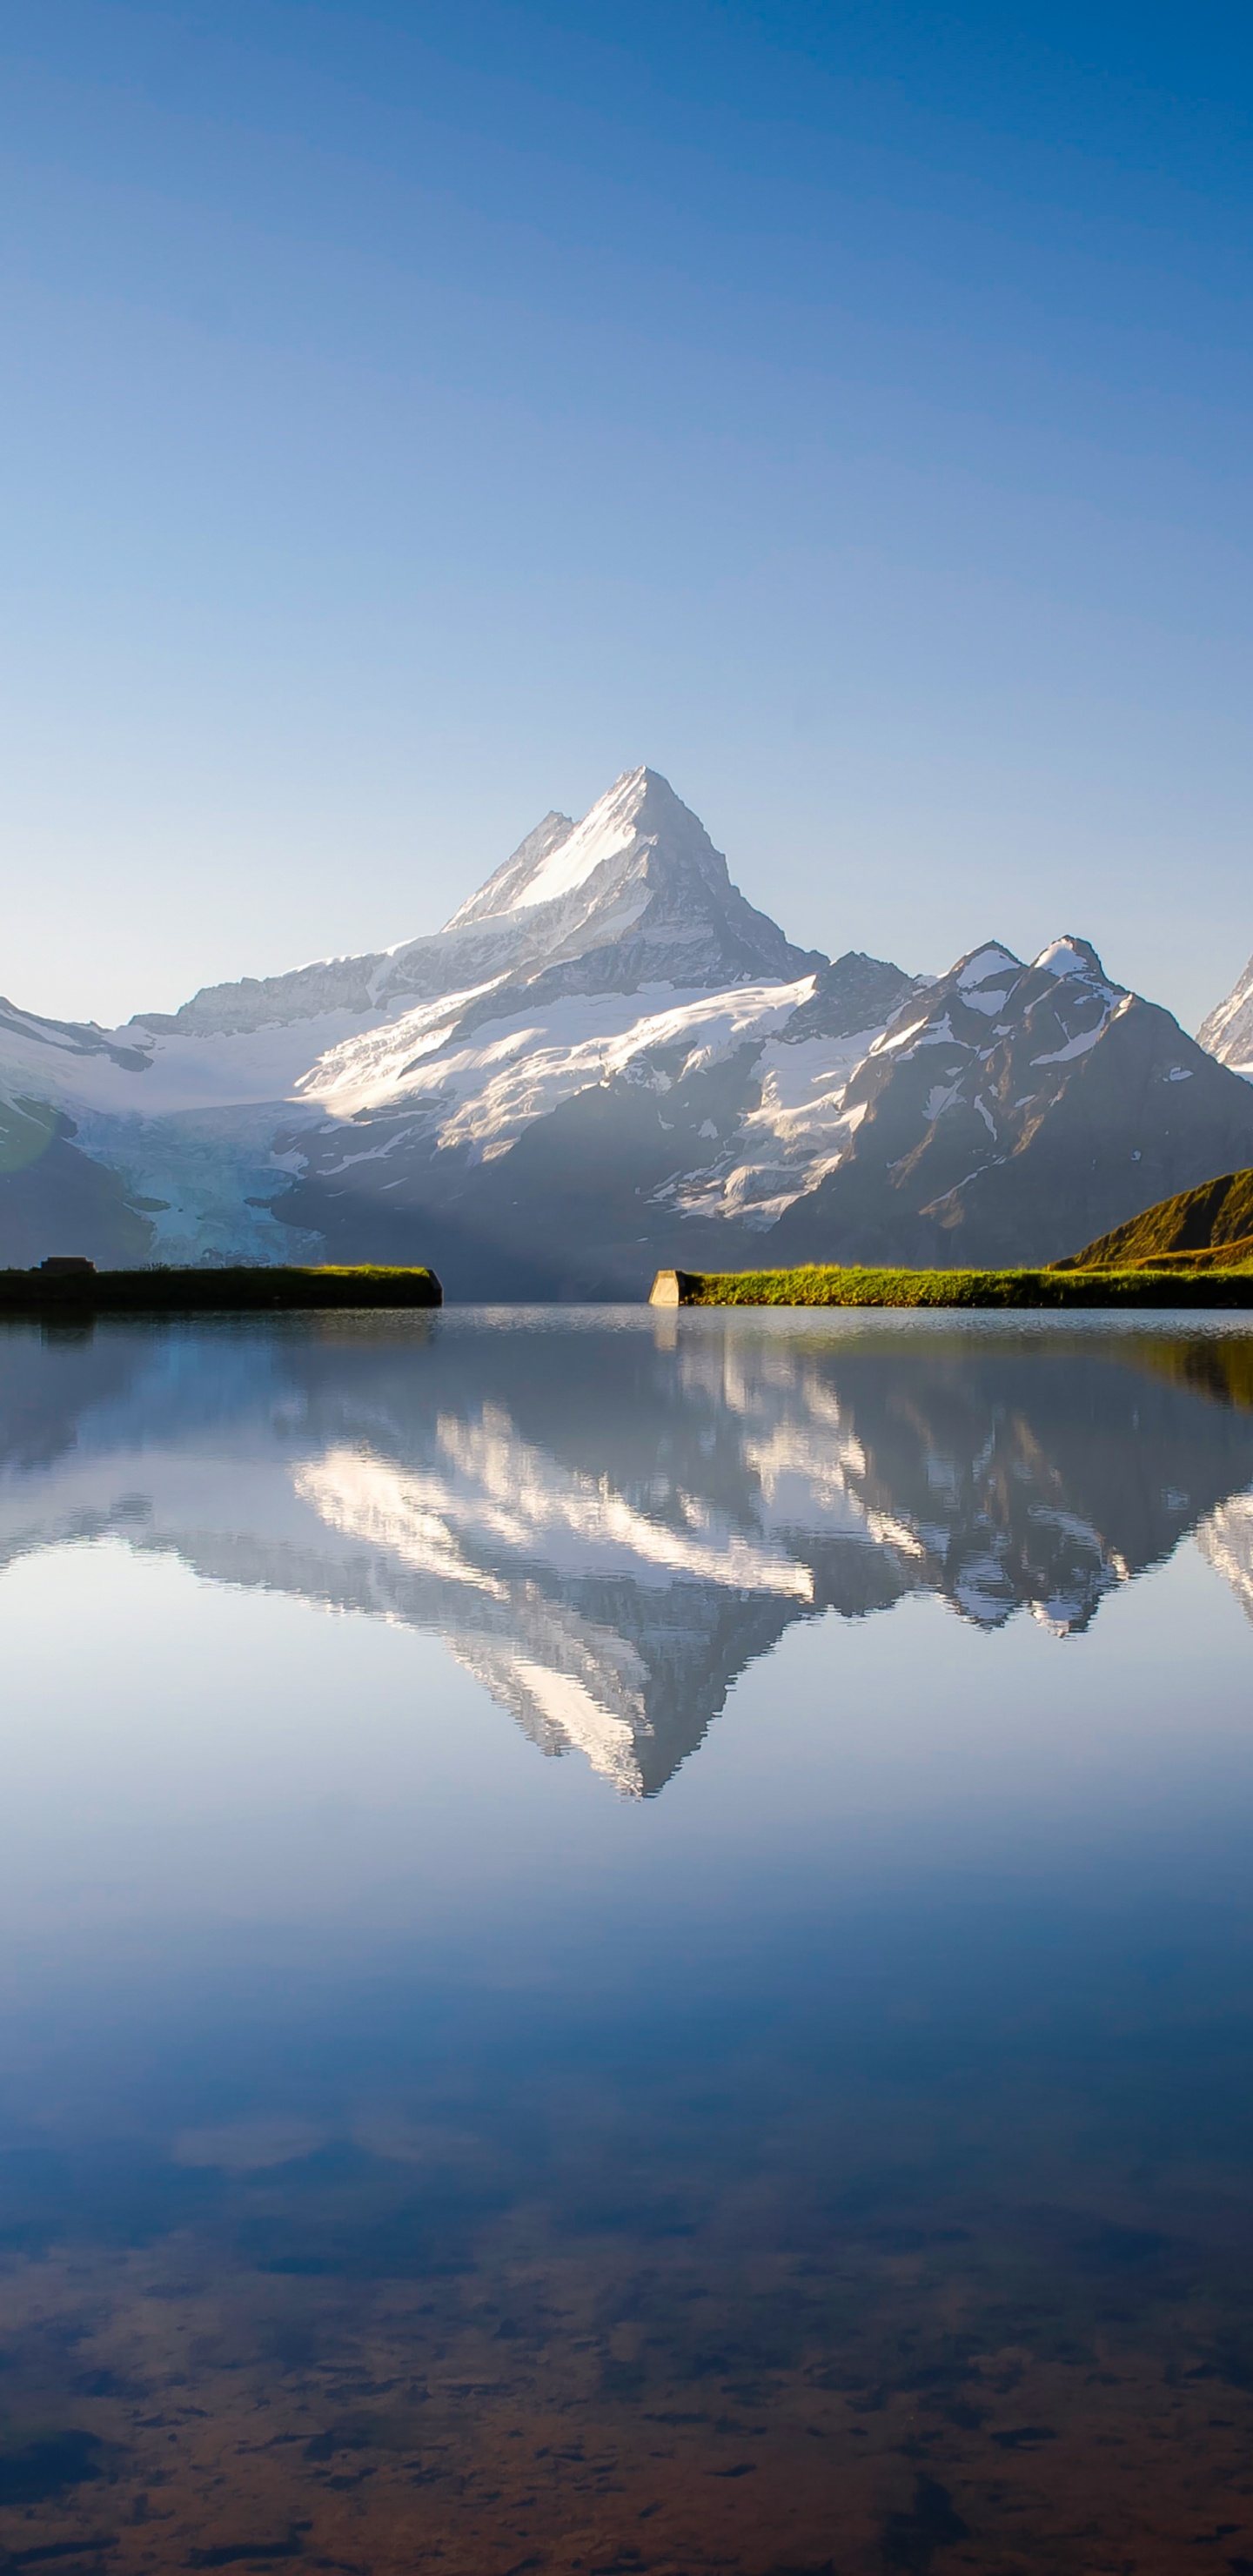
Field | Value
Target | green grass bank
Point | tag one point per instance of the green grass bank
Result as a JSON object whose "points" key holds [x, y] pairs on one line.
{"points": [[821, 1285], [72, 1292]]}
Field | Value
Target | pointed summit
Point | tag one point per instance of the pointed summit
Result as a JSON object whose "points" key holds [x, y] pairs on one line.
{"points": [[639, 875], [559, 857], [1069, 957]]}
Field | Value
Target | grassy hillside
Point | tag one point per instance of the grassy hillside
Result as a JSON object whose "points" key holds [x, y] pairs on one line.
{"points": [[1213, 1224], [820, 1285]]}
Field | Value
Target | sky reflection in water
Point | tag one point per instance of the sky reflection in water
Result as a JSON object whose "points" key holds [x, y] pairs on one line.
{"points": [[803, 2120]]}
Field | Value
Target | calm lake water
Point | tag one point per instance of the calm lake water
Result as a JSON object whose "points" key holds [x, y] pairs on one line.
{"points": [[627, 1945]]}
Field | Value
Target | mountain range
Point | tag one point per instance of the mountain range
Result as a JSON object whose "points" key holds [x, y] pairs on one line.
{"points": [[608, 1060]]}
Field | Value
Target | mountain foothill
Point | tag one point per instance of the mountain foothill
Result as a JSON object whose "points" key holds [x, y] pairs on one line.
{"points": [[608, 1060]]}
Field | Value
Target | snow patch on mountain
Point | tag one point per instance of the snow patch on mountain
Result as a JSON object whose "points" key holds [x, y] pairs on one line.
{"points": [[986, 967], [478, 1093], [166, 1077], [784, 1145], [507, 890], [562, 856], [1228, 1031]]}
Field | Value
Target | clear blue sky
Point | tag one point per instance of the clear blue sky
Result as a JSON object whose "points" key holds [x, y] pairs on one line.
{"points": [[413, 415]]}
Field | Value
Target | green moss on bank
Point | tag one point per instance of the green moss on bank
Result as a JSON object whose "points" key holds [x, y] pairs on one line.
{"points": [[207, 1292], [822, 1285]]}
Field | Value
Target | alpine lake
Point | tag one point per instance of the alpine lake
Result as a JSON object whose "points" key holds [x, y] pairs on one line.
{"points": [[627, 1944]]}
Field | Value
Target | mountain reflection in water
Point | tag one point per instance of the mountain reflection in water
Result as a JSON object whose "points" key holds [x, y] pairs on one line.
{"points": [[414, 2156], [607, 1528]]}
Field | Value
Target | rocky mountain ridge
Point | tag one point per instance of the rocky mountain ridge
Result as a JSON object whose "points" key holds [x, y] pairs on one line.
{"points": [[608, 1060], [1014, 1100]]}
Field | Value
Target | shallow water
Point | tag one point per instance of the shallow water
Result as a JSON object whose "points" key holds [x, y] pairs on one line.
{"points": [[627, 1945]]}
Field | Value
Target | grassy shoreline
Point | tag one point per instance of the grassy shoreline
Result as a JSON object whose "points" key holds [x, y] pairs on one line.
{"points": [[210, 1292], [823, 1285]]}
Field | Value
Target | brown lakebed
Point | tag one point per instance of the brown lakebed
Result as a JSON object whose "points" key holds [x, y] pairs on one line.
{"points": [[582, 2412]]}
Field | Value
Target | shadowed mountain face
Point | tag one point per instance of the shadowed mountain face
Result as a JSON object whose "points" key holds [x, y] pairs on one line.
{"points": [[1003, 1109], [609, 1061], [607, 1526]]}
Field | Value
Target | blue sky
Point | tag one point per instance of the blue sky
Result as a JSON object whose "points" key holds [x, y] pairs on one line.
{"points": [[411, 416]]}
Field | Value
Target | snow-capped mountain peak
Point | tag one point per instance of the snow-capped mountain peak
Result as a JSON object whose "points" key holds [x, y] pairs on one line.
{"points": [[612, 828], [638, 888], [640, 814], [560, 857], [1228, 1031], [984, 976], [1071, 957]]}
